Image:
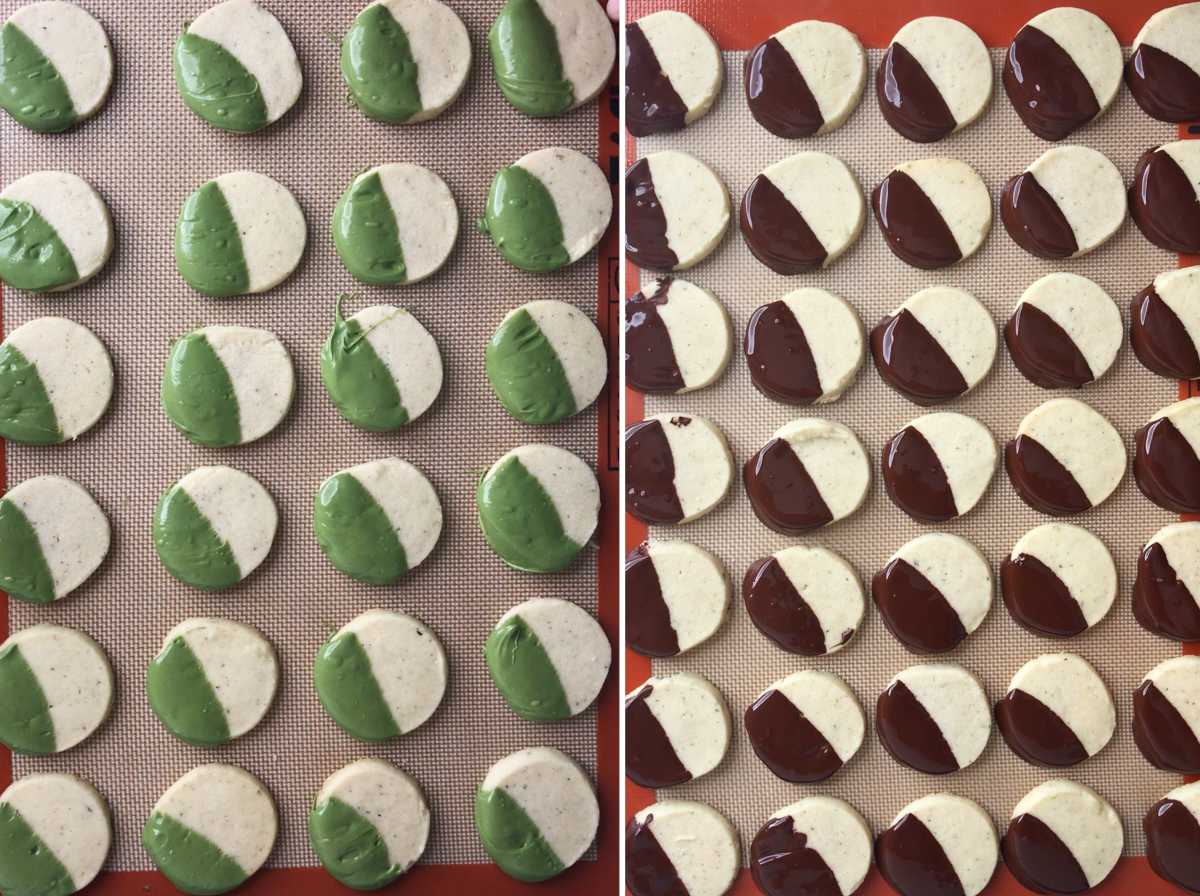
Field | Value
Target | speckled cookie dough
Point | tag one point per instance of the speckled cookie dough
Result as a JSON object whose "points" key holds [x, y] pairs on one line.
{"points": [[678, 337], [677, 468], [1166, 592], [933, 212], [1065, 332], [939, 466], [941, 842], [680, 846], [673, 72], [1164, 327], [1059, 580], [676, 211], [934, 718], [676, 597], [1163, 72], [1166, 715], [818, 846], [1166, 463], [677, 728]]}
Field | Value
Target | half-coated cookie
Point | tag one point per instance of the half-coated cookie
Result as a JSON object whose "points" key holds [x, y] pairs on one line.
{"points": [[1166, 592], [1163, 196], [1164, 327], [939, 466], [819, 846], [673, 72], [1163, 73], [676, 211], [677, 728], [676, 597], [933, 212], [1058, 581], [1166, 463], [680, 847], [1172, 829], [678, 337], [939, 845], [677, 468], [934, 718], [1166, 715]]}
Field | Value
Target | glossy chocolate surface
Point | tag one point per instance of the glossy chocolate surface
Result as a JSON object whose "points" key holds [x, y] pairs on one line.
{"points": [[908, 98], [776, 232], [912, 860], [1041, 481], [648, 868], [1159, 338], [650, 474], [909, 733], [652, 104], [1173, 843], [783, 864], [1034, 220], [1166, 468], [787, 742], [1039, 859], [1162, 733], [913, 227], [1163, 204], [1165, 87], [650, 364], [646, 243], [782, 494], [1162, 603], [1043, 351], [1046, 87], [1036, 733], [781, 362], [650, 759], [777, 93], [780, 612], [648, 628], [915, 611], [1038, 600], [915, 479], [913, 363]]}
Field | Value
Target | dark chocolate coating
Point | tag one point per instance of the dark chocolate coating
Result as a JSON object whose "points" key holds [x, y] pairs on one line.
{"points": [[777, 93], [652, 104], [909, 733], [648, 868], [787, 742], [1159, 338], [1038, 600], [1166, 468], [1165, 87], [1046, 87], [1043, 351], [650, 759], [913, 227], [650, 474], [915, 479], [776, 232], [909, 100], [913, 363], [781, 362], [1035, 733], [780, 612], [1040, 480], [1162, 603], [1034, 220], [1173, 843], [1162, 733], [1163, 203], [912, 860], [648, 628], [915, 611], [650, 364], [1039, 859], [646, 242], [783, 864], [782, 494]]}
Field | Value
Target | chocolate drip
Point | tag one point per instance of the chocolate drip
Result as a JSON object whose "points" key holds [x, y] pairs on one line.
{"points": [[782, 366], [1042, 482], [1039, 859], [909, 733], [648, 868], [1034, 220], [1162, 733], [915, 611], [913, 363], [1166, 468], [652, 104], [780, 612], [788, 743], [646, 242], [1046, 87], [783, 495], [650, 364], [1043, 351], [909, 99], [650, 757], [777, 93], [1038, 599], [1165, 87], [915, 479], [1163, 203], [783, 864], [650, 474], [648, 628], [776, 232], [1173, 843], [1162, 603], [1159, 338], [914, 229], [912, 860], [1036, 733]]}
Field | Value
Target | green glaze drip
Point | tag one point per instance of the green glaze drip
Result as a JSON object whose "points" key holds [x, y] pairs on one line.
{"points": [[355, 533], [208, 248], [24, 572], [189, 547], [365, 233], [527, 61], [25, 724], [26, 412], [349, 692], [526, 373], [523, 672], [350, 847], [28, 867], [520, 522], [198, 395], [183, 698], [216, 86], [523, 222], [191, 862], [379, 67], [512, 839], [32, 256], [358, 382], [31, 89]]}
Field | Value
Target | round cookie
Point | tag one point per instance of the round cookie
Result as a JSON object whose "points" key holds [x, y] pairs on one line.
{"points": [[548, 209], [938, 345], [676, 211], [235, 67], [805, 80], [677, 728], [805, 348], [1172, 828], [1163, 198], [1065, 332], [676, 468], [1164, 327], [1166, 592], [934, 79], [58, 231], [1063, 838], [213, 680], [57, 380], [1166, 463], [536, 813], [1058, 581], [382, 674], [808, 600], [805, 727], [406, 60], [56, 66], [1163, 73], [240, 233], [212, 829], [673, 73], [934, 718], [678, 337], [933, 212], [811, 473], [939, 466], [57, 833], [1056, 712], [369, 824], [395, 223], [802, 213], [538, 507], [60, 686], [381, 367], [227, 386], [941, 843], [819, 846], [680, 846], [1066, 458], [53, 536], [546, 362], [1068, 202], [1166, 715], [549, 659], [933, 592], [676, 597], [550, 56]]}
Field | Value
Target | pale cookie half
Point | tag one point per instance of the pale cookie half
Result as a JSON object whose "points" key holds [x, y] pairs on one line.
{"points": [[1065, 331], [677, 468], [676, 597], [683, 845], [678, 337], [966, 850], [677, 728], [1164, 71], [934, 718], [1166, 715], [1059, 580], [939, 466], [823, 840], [676, 211], [673, 72]]}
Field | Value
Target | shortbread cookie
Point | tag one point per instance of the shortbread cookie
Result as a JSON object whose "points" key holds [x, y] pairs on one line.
{"points": [[1163, 73], [677, 468], [933, 212], [1172, 829], [1065, 332], [1058, 581], [939, 466], [934, 718], [673, 72], [676, 211], [1166, 464], [1163, 197], [952, 840], [676, 597], [678, 337], [680, 846], [677, 728], [1164, 327], [819, 846], [1166, 715], [1166, 592]]}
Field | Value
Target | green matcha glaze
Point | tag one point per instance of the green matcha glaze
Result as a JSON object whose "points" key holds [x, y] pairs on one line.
{"points": [[31, 89], [349, 692], [208, 248], [26, 413], [365, 233], [512, 839], [24, 572], [523, 222], [358, 382], [183, 699], [519, 520], [198, 395], [191, 862], [527, 61], [523, 672], [350, 847], [355, 533], [526, 373], [32, 256], [216, 86], [25, 724], [189, 547], [28, 867], [379, 68]]}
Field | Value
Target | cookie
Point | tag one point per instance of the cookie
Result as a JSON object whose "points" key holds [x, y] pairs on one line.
{"points": [[1163, 197], [673, 73], [677, 728], [819, 846], [1058, 581], [939, 466], [934, 718], [940, 844], [676, 597], [677, 468], [680, 846], [1166, 463], [1166, 715], [676, 211], [1166, 592], [678, 338], [1163, 73], [1164, 326], [933, 212], [1172, 828]]}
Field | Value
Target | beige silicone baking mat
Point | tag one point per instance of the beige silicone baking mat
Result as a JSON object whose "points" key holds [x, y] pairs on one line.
{"points": [[742, 662], [145, 152]]}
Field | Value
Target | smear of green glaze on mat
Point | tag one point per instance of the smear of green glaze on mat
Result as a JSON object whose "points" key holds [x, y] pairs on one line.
{"points": [[355, 532], [197, 393], [379, 68], [349, 692], [350, 847], [358, 382], [28, 867], [25, 723], [526, 373], [26, 412], [520, 522], [527, 60], [208, 247], [31, 89], [32, 255], [183, 698], [365, 233], [24, 572], [216, 86], [191, 862], [188, 545], [523, 221], [512, 839], [523, 672]]}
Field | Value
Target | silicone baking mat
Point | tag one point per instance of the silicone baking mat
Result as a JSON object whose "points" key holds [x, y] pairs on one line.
{"points": [[144, 153]]}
